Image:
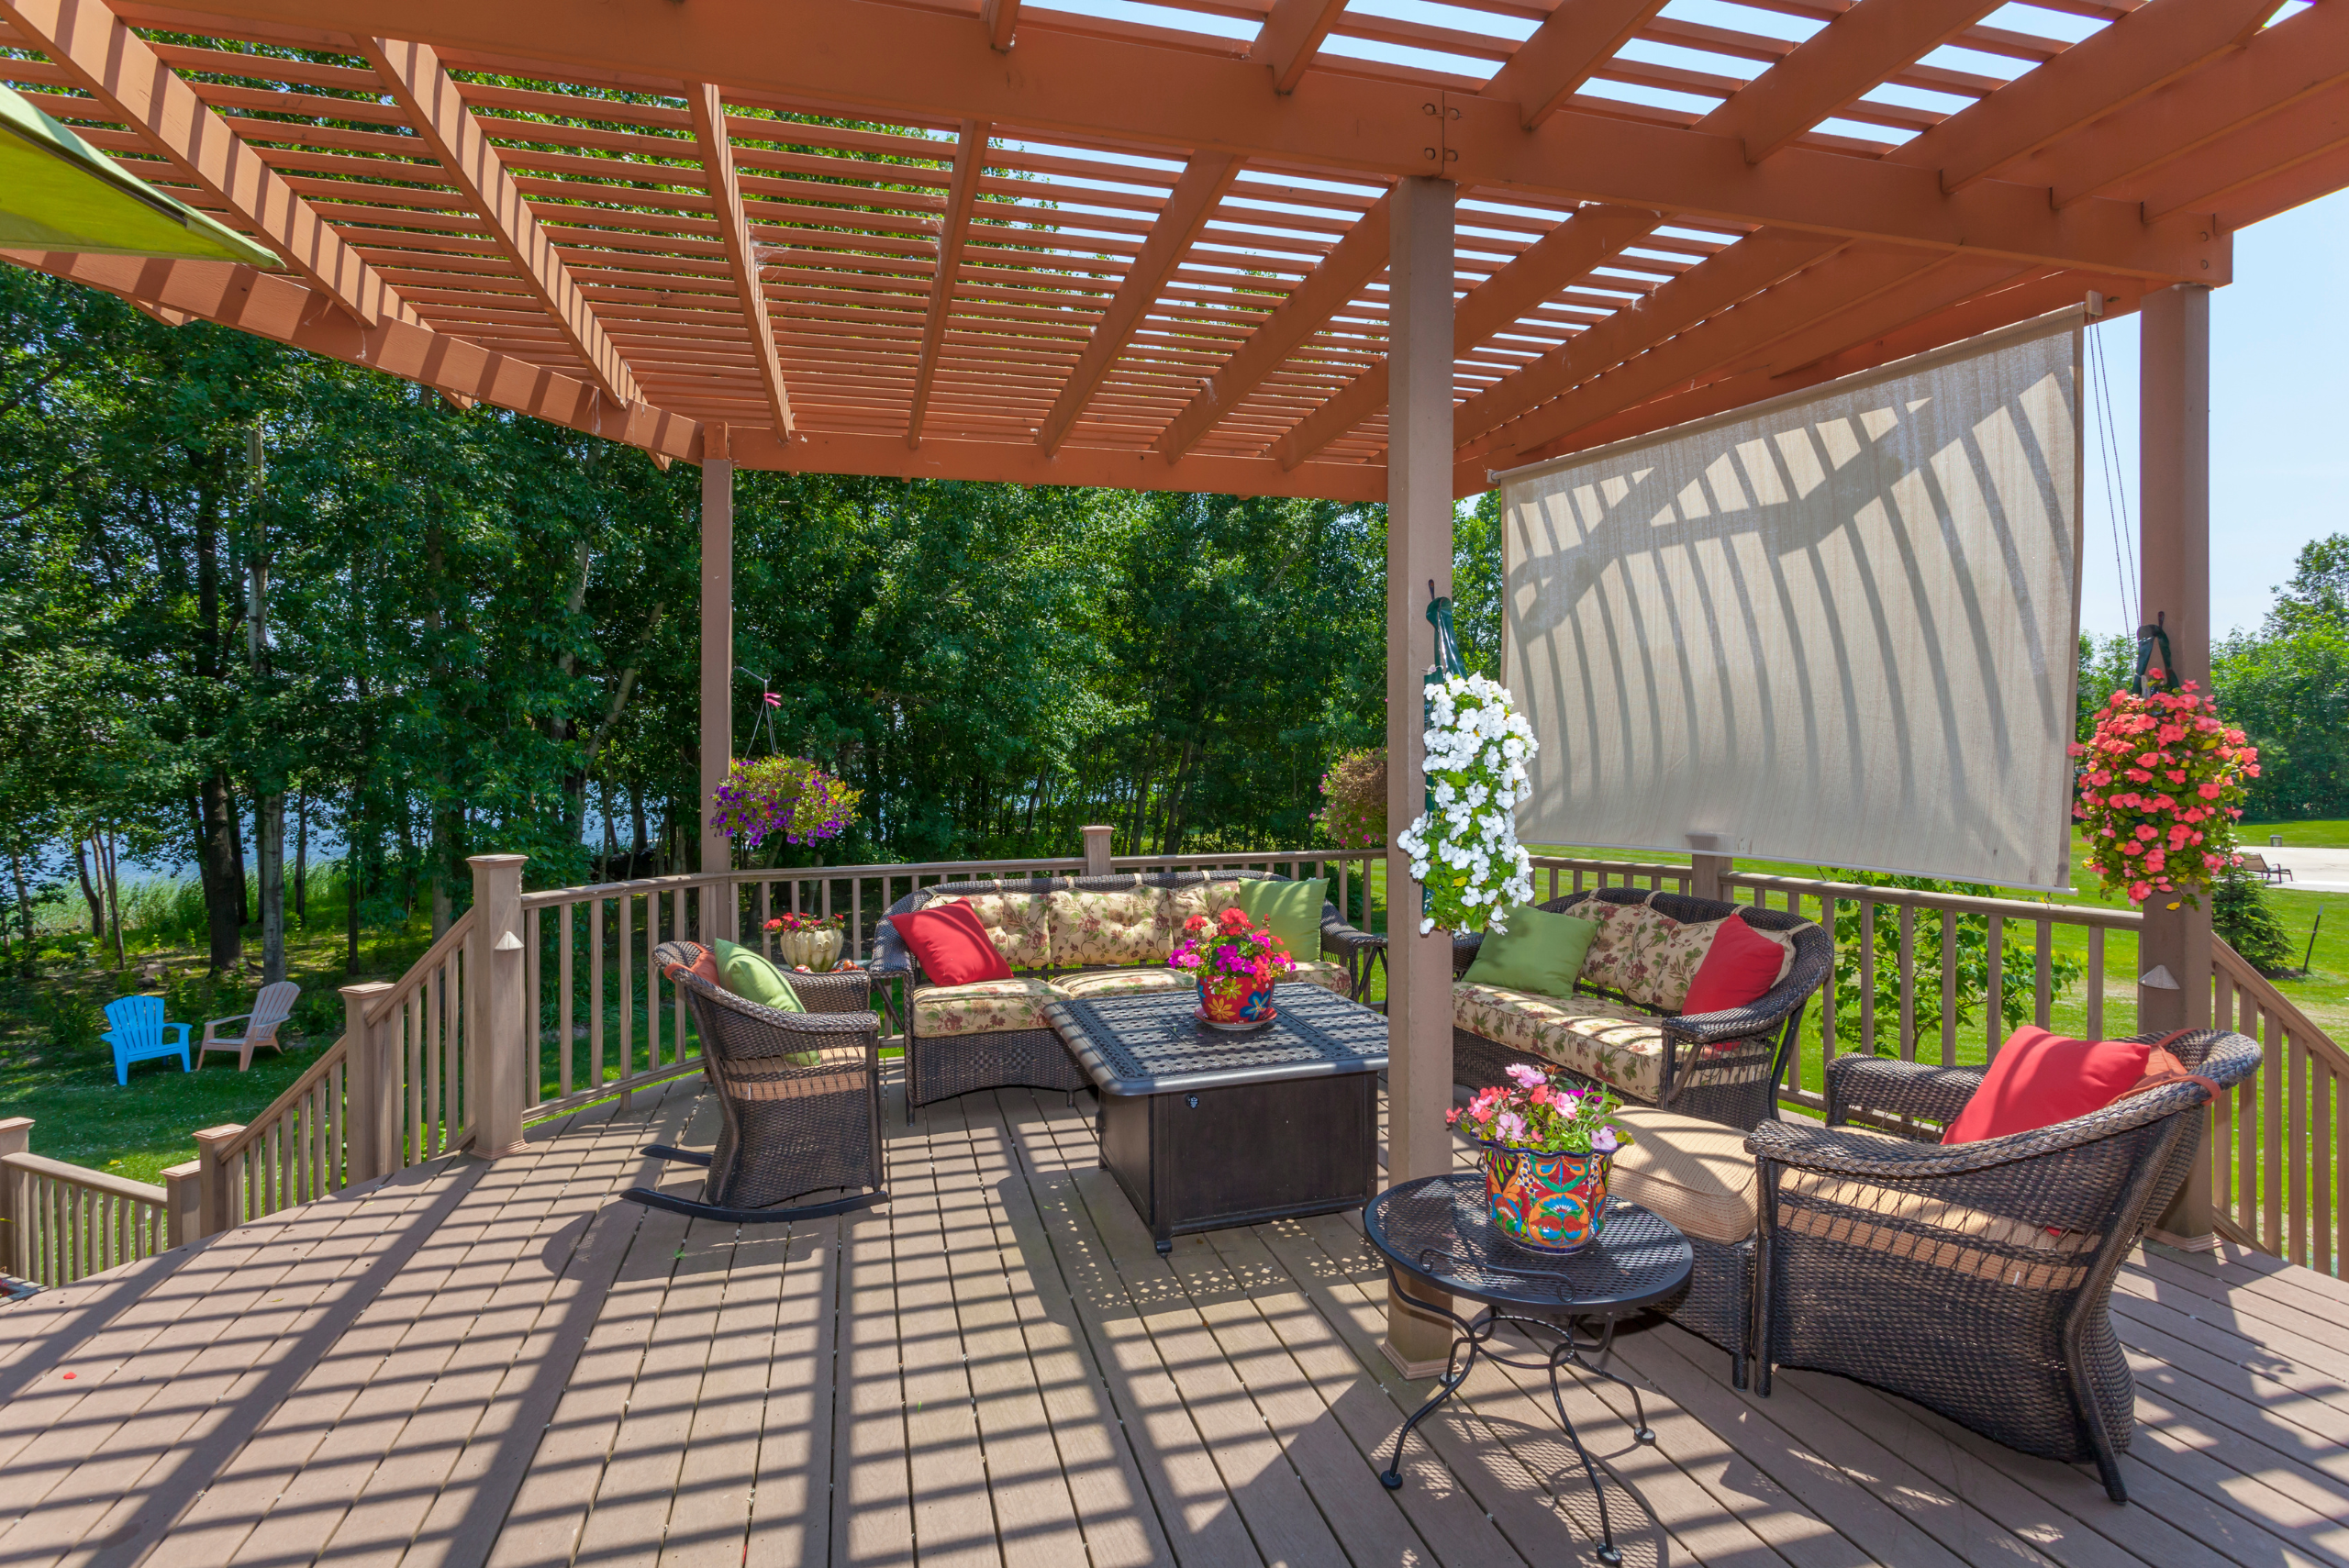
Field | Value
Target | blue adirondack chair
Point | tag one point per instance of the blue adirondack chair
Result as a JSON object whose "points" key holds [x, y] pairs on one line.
{"points": [[140, 1034]]}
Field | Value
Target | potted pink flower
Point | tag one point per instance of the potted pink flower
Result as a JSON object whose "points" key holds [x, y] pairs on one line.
{"points": [[1237, 965], [1549, 1150], [2162, 784]]}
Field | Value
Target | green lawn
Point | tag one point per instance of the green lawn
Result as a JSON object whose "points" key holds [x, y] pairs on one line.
{"points": [[55, 1069]]}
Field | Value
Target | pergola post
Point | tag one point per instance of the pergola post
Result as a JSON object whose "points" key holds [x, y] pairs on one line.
{"points": [[2174, 544], [717, 675], [1419, 552]]}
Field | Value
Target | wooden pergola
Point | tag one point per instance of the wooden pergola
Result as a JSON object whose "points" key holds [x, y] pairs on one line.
{"points": [[1261, 247]]}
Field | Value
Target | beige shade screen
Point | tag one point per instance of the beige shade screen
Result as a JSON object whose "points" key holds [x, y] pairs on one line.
{"points": [[1840, 627]]}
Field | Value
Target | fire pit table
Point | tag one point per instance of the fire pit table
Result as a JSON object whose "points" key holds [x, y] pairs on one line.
{"points": [[1205, 1128]]}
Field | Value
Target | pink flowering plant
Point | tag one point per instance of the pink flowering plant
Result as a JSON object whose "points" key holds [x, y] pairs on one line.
{"points": [[799, 922], [2162, 784], [1539, 1114], [786, 797], [1229, 950], [1353, 800]]}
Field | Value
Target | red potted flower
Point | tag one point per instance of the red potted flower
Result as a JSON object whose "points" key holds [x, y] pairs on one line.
{"points": [[1237, 965]]}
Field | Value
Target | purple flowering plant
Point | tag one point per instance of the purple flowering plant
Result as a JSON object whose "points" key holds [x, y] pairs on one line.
{"points": [[786, 797], [1540, 1115]]}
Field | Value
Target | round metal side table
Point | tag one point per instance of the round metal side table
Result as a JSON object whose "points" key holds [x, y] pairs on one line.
{"points": [[1436, 1235]]}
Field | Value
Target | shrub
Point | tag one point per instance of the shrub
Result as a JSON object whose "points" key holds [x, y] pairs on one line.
{"points": [[2240, 913], [1353, 800]]}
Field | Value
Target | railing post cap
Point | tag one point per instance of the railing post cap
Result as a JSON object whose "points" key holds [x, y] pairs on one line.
{"points": [[183, 1171], [364, 988], [227, 1129], [11, 1124], [497, 860]]}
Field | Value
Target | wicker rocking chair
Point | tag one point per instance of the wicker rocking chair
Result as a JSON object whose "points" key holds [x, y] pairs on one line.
{"points": [[799, 1095], [1974, 1278]]}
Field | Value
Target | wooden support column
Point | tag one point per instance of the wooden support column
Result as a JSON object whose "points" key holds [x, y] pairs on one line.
{"points": [[717, 673], [501, 1050], [1099, 845], [15, 1137], [2174, 544], [1418, 551], [374, 1091]]}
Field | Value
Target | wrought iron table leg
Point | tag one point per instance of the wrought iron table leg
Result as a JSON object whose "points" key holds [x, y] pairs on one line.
{"points": [[1473, 1336], [1563, 1354]]}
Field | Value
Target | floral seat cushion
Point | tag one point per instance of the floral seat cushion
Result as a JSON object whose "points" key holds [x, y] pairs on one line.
{"points": [[1137, 982], [1612, 1043], [984, 1007], [1321, 972], [1088, 930]]}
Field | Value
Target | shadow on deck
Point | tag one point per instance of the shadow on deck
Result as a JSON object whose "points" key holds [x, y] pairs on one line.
{"points": [[506, 1363]]}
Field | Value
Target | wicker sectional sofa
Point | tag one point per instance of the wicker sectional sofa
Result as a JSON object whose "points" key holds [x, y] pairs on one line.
{"points": [[1086, 936], [1623, 1027]]}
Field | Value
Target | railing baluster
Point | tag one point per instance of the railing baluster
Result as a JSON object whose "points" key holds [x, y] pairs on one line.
{"points": [[1908, 939], [628, 989], [1949, 988], [1994, 1001], [2043, 994], [2096, 982], [595, 993], [534, 1009], [2297, 1129], [1867, 976], [563, 1017], [2271, 1189]]}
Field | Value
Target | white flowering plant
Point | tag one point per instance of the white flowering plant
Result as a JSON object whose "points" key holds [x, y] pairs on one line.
{"points": [[1464, 851]]}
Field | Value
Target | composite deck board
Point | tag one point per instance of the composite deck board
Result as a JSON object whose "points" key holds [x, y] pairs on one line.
{"points": [[507, 1362]]}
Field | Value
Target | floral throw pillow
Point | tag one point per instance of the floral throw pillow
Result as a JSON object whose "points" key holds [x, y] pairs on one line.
{"points": [[1615, 922], [1019, 924], [1090, 929]]}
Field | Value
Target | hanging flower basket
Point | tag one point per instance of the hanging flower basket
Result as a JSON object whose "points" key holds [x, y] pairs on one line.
{"points": [[1463, 849], [2162, 784], [786, 797]]}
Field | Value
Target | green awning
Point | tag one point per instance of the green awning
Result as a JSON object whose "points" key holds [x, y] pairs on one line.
{"points": [[58, 193]]}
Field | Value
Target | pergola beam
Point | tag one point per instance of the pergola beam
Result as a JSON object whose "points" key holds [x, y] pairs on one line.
{"points": [[1744, 269], [1188, 207], [2282, 66], [953, 457], [278, 308], [708, 109], [1290, 36], [103, 57], [1351, 264], [891, 62], [1857, 50], [1536, 274], [2116, 66], [437, 108], [970, 162], [1575, 41]]}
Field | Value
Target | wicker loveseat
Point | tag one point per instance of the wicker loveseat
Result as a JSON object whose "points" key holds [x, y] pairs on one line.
{"points": [[1062, 937], [1622, 1026], [1974, 1278]]}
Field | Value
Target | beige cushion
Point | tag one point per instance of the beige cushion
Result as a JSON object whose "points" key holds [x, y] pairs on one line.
{"points": [[2061, 1260], [1322, 972], [1019, 924], [1136, 981], [984, 1007], [1694, 1174], [1090, 929], [1612, 1043]]}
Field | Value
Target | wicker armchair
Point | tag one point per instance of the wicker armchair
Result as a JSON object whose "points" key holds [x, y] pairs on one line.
{"points": [[941, 1067], [1972, 1278], [1723, 1066], [799, 1095]]}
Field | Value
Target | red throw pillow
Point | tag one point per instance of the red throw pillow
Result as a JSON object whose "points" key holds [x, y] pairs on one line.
{"points": [[2040, 1079], [1740, 967], [704, 966], [951, 945]]}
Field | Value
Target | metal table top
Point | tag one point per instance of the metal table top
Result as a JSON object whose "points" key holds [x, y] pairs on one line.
{"points": [[1152, 1044], [1439, 1231]]}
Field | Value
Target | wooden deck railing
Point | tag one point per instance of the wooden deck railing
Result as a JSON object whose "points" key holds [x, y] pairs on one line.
{"points": [[61, 1222], [2277, 1177]]}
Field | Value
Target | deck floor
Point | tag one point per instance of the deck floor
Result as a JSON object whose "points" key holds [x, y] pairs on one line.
{"points": [[504, 1364]]}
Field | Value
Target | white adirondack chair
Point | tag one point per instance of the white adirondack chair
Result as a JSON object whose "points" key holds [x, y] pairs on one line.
{"points": [[271, 1010]]}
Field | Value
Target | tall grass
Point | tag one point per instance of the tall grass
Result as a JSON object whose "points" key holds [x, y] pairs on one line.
{"points": [[167, 911]]}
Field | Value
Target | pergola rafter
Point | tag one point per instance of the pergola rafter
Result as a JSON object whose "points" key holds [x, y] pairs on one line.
{"points": [[717, 150]]}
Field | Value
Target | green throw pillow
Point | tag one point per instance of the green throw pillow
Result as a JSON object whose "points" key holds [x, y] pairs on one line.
{"points": [[747, 973], [1539, 953], [1292, 910]]}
